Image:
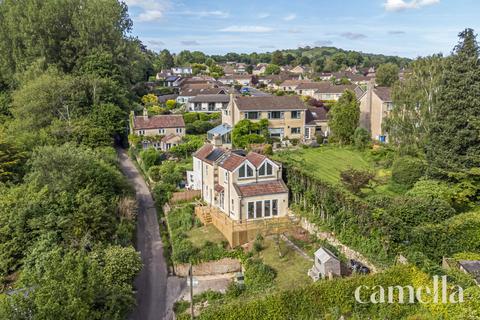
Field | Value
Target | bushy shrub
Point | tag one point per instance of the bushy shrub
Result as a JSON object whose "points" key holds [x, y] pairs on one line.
{"points": [[354, 180], [361, 138], [258, 276], [150, 157], [407, 170]]}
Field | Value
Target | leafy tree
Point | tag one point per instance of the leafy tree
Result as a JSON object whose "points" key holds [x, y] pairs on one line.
{"points": [[340, 59], [64, 37], [246, 132], [183, 58], [198, 57], [407, 170], [165, 60], [150, 157], [277, 58], [149, 100], [455, 130], [386, 74], [11, 161], [361, 138], [304, 61], [414, 99], [198, 68], [344, 117], [272, 69], [210, 62], [354, 180]]}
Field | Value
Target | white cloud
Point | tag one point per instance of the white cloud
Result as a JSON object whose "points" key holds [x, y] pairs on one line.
{"points": [[249, 29], [263, 15], [150, 9], [201, 14], [323, 43], [150, 15], [400, 5], [290, 17], [190, 43]]}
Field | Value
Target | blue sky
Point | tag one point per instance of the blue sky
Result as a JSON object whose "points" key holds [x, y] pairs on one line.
{"points": [[407, 28]]}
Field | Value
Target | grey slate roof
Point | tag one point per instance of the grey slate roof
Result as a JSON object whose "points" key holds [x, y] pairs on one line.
{"points": [[246, 103]]}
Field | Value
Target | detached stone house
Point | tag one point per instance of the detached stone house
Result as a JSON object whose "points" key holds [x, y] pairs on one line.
{"points": [[285, 114], [375, 104], [160, 132], [240, 190], [208, 103]]}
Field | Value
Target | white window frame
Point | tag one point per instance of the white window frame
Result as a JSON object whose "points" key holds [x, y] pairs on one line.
{"points": [[161, 131], [246, 176], [296, 128], [298, 112], [265, 174], [179, 130], [263, 206]]}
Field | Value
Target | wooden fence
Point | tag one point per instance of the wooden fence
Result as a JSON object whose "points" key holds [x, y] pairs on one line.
{"points": [[241, 232], [182, 196]]}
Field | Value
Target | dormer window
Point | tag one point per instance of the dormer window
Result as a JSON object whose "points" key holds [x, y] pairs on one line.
{"points": [[245, 171], [266, 169]]}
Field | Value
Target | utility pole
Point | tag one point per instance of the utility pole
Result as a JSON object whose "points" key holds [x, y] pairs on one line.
{"points": [[190, 273]]}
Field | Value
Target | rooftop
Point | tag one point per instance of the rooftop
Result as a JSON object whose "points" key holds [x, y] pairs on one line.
{"points": [[156, 122], [211, 98], [246, 103], [384, 93], [261, 188]]}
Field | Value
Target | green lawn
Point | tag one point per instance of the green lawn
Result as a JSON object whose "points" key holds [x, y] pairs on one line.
{"points": [[291, 268], [327, 162], [199, 235]]}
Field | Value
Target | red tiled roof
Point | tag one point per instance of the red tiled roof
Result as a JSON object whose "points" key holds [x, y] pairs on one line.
{"points": [[218, 188], [255, 158], [203, 152], [261, 188], [232, 161], [156, 122]]}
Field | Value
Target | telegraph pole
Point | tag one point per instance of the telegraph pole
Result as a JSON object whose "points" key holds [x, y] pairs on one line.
{"points": [[190, 273]]}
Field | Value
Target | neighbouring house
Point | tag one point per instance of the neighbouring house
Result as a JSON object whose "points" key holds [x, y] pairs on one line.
{"points": [[358, 79], [259, 69], [170, 140], [242, 79], [291, 85], [285, 114], [316, 123], [325, 91], [153, 129], [182, 70], [325, 265], [375, 104], [244, 192], [172, 81], [208, 103], [185, 95], [471, 267], [299, 70], [223, 132]]}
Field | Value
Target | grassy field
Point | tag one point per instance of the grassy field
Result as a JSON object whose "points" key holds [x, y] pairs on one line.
{"points": [[327, 162], [198, 236], [291, 268]]}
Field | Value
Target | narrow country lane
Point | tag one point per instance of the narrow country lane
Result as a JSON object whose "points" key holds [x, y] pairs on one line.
{"points": [[151, 283]]}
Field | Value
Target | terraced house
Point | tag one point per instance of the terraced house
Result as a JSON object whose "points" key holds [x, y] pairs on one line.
{"points": [[285, 114], [240, 190]]}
